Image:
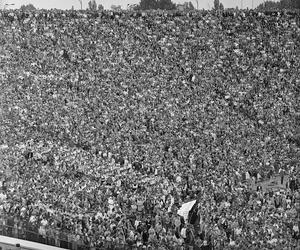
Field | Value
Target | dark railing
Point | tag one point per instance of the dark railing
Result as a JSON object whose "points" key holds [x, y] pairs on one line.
{"points": [[24, 234]]}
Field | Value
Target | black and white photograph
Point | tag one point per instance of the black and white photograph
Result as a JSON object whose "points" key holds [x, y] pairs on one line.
{"points": [[149, 124]]}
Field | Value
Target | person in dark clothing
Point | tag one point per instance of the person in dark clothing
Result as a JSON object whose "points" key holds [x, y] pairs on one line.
{"points": [[282, 173], [292, 184], [145, 236], [66, 55], [28, 155], [206, 245], [137, 166], [120, 160], [193, 215]]}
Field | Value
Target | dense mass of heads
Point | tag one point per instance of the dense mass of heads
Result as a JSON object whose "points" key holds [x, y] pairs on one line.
{"points": [[111, 121]]}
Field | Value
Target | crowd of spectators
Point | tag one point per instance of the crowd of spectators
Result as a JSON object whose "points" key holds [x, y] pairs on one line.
{"points": [[111, 121]]}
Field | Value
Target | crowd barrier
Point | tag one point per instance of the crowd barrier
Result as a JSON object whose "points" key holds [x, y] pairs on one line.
{"points": [[9, 243], [60, 242], [24, 234]]}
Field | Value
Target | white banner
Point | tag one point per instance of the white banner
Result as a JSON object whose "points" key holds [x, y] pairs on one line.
{"points": [[185, 209]]}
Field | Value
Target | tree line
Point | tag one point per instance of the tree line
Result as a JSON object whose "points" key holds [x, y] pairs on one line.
{"points": [[169, 5], [281, 5]]}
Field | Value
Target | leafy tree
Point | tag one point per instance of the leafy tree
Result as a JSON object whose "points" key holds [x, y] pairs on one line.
{"points": [[268, 5], [216, 4], [156, 4], [148, 5], [191, 6], [221, 6], [92, 5], [28, 7], [283, 4], [166, 5], [290, 4], [100, 7]]}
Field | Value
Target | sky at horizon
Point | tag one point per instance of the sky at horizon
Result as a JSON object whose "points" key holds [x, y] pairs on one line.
{"points": [[67, 4]]}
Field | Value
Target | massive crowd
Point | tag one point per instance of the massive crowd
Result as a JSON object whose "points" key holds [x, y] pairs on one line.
{"points": [[111, 121]]}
